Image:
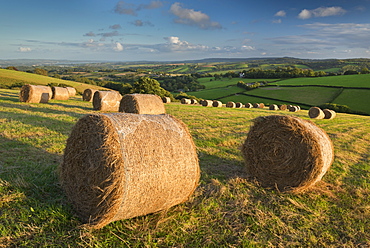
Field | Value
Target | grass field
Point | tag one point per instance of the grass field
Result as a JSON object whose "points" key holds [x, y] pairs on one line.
{"points": [[9, 77], [227, 209]]}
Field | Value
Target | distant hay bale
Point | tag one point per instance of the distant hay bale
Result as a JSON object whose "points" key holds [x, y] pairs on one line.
{"points": [[106, 100], [118, 166], [35, 93], [60, 93], [316, 113], [207, 103], [185, 101], [283, 107], [273, 107], [71, 91], [230, 105], [142, 104], [238, 105], [299, 108], [329, 114], [256, 105], [287, 152], [166, 99], [88, 95], [193, 101], [261, 105], [216, 104], [293, 109], [289, 106], [249, 105]]}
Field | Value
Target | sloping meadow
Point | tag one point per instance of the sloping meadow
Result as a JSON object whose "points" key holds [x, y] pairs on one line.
{"points": [[227, 209]]}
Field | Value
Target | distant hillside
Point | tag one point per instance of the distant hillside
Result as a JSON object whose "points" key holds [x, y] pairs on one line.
{"points": [[11, 78]]}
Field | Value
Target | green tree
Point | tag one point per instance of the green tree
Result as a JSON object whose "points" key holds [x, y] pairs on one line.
{"points": [[41, 71], [146, 85]]}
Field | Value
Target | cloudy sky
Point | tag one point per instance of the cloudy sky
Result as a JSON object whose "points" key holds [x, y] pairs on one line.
{"points": [[133, 30]]}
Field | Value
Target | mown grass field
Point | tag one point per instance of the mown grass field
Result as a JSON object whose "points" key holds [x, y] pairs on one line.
{"points": [[226, 210], [10, 77]]}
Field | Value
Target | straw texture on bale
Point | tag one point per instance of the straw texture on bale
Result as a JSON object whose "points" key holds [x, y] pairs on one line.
{"points": [[60, 93], [238, 105], [119, 166], [329, 114], [207, 103], [142, 104], [35, 93], [185, 101], [249, 105], [166, 99], [88, 95], [71, 91], [230, 105], [316, 113], [261, 105], [287, 152], [283, 107], [293, 109], [256, 105], [193, 101], [106, 100], [273, 107], [217, 104]]}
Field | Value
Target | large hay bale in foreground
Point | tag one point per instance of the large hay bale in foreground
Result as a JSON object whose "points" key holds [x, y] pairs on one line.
{"points": [[287, 152], [35, 93], [106, 100], [230, 105], [329, 114], [118, 166], [88, 95], [217, 104], [316, 113], [60, 93], [142, 104], [207, 103], [71, 91]]}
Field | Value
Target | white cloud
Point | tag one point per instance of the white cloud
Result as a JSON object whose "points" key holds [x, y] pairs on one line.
{"points": [[118, 47], [91, 34], [281, 13], [321, 12], [24, 49], [193, 18], [277, 21], [247, 48], [124, 8]]}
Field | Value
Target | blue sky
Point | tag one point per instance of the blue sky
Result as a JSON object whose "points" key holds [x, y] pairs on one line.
{"points": [[112, 30]]}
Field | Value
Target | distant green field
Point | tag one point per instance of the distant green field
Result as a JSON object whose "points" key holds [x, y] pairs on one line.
{"points": [[206, 81], [355, 99], [216, 93], [306, 95], [361, 80], [250, 99]]}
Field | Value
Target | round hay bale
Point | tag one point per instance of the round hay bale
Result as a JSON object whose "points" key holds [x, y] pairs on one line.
{"points": [[88, 95], [166, 99], [193, 101], [256, 105], [119, 166], [249, 105], [283, 107], [60, 93], [273, 107], [293, 109], [142, 104], [230, 105], [35, 93], [299, 108], [329, 114], [238, 105], [289, 106], [185, 101], [261, 105], [316, 113], [106, 100], [217, 104], [287, 152], [207, 103], [71, 91]]}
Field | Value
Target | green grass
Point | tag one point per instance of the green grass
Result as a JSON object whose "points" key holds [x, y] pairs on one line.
{"points": [[224, 82], [226, 210], [361, 80], [216, 93], [9, 77], [355, 99]]}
